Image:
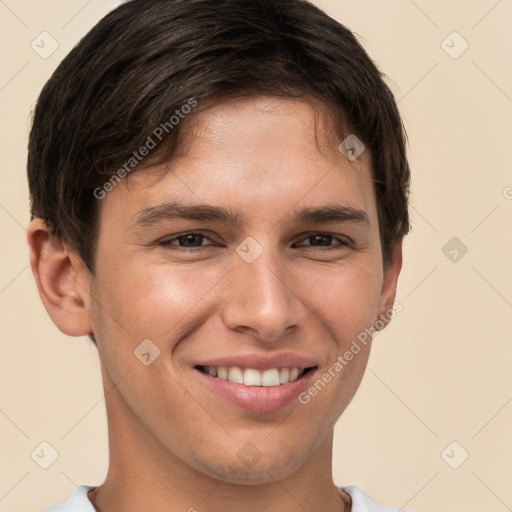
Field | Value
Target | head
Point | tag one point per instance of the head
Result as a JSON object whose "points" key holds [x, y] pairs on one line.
{"points": [[291, 246]]}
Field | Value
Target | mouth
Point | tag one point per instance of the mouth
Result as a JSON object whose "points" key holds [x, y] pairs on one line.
{"points": [[259, 391], [253, 377]]}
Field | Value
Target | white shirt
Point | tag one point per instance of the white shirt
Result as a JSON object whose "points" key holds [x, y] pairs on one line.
{"points": [[79, 502]]}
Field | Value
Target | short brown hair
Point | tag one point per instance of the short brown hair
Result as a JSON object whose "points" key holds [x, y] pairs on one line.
{"points": [[147, 58]]}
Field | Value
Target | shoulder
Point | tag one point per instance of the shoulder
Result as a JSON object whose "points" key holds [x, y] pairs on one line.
{"points": [[77, 502], [361, 502]]}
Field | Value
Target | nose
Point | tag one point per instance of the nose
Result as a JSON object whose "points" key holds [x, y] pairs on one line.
{"points": [[262, 298]]}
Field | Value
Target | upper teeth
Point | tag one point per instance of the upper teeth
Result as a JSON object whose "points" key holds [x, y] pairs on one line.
{"points": [[253, 377]]}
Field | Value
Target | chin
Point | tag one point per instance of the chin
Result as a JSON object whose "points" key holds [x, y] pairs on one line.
{"points": [[267, 469]]}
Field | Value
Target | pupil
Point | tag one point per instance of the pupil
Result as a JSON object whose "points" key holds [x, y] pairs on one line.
{"points": [[320, 237], [188, 238]]}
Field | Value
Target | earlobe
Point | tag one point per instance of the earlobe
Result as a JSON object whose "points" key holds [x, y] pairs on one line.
{"points": [[59, 281], [389, 285]]}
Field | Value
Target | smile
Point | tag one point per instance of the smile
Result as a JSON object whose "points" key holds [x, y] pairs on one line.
{"points": [[254, 377], [258, 391]]}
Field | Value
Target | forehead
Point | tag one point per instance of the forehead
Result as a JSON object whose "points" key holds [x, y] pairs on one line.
{"points": [[253, 153]]}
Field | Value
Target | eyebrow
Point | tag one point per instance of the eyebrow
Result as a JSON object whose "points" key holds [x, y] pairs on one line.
{"points": [[316, 215]]}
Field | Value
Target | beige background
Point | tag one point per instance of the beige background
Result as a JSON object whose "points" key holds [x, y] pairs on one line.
{"points": [[440, 373]]}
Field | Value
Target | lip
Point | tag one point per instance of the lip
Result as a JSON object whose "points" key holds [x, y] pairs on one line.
{"points": [[260, 361], [258, 399]]}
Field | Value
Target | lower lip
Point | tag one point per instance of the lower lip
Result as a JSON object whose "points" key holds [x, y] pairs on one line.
{"points": [[258, 399]]}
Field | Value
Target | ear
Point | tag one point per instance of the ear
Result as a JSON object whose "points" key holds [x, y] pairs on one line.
{"points": [[389, 284], [60, 280]]}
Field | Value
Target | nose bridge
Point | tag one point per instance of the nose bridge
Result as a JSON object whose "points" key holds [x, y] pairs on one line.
{"points": [[261, 268], [261, 297]]}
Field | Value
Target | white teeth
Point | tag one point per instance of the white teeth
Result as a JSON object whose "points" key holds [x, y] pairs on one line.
{"points": [[284, 375], [270, 377], [253, 377], [235, 375], [222, 373]]}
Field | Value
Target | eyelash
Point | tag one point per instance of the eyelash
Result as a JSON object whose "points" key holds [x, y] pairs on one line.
{"points": [[168, 242]]}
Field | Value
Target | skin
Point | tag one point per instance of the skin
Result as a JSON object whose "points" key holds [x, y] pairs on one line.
{"points": [[173, 443]]}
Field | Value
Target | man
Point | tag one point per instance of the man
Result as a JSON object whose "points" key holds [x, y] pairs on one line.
{"points": [[219, 195]]}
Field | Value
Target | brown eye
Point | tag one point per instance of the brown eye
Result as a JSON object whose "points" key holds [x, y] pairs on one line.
{"points": [[187, 240], [319, 240]]}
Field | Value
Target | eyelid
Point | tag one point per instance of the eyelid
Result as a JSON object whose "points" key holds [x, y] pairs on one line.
{"points": [[343, 240], [167, 240]]}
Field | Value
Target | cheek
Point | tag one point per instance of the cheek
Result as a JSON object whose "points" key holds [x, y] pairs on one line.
{"points": [[158, 301], [345, 299]]}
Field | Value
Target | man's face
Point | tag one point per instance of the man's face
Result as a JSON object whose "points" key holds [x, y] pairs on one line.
{"points": [[268, 292]]}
